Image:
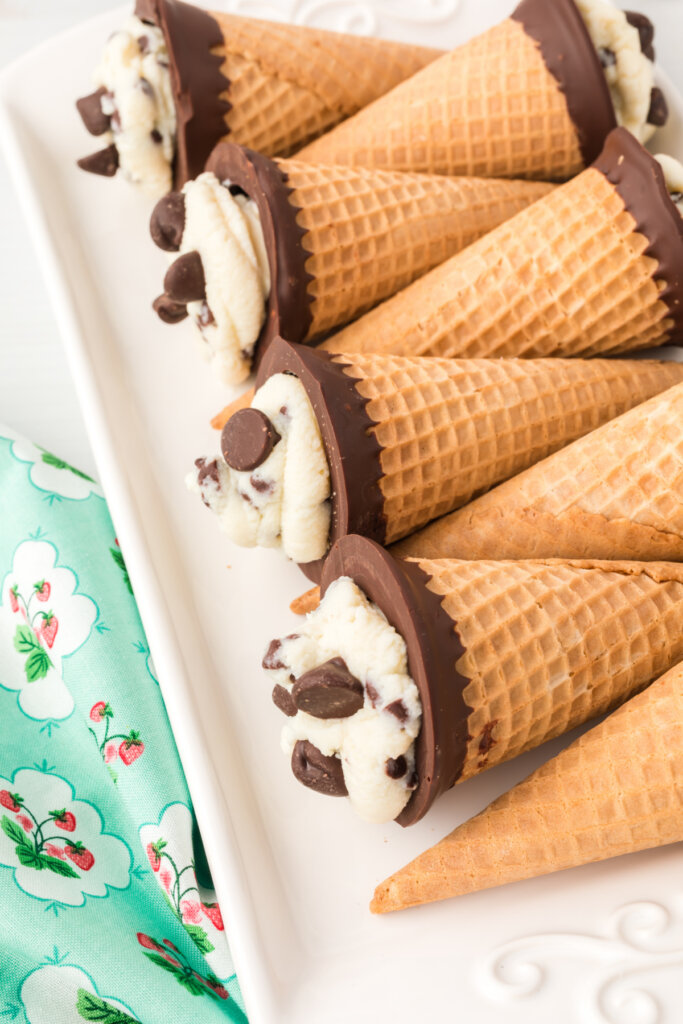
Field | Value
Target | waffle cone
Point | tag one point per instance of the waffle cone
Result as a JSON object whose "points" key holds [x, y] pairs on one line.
{"points": [[615, 493], [567, 276], [289, 84], [615, 790], [489, 108]]}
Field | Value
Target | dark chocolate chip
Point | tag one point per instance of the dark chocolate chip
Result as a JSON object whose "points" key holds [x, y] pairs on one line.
{"points": [[271, 658], [398, 709], [396, 767], [247, 439], [207, 470], [105, 162], [676, 196], [168, 310], [329, 691], [156, 136], [608, 58], [206, 317], [372, 694], [282, 699], [184, 279], [646, 31], [92, 115], [659, 110], [261, 486], [413, 781], [143, 44], [235, 190], [167, 222], [318, 772]]}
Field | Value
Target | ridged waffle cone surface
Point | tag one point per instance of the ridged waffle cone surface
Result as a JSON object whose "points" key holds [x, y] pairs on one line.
{"points": [[449, 429], [615, 493], [289, 84], [615, 790], [567, 276], [370, 233], [488, 108]]}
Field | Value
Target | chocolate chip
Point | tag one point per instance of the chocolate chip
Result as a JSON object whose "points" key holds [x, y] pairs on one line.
{"points": [[398, 709], [396, 767], [146, 87], [235, 190], [184, 279], [143, 44], [156, 136], [282, 699], [676, 196], [328, 691], [271, 657], [247, 439], [169, 311], [206, 317], [207, 470], [413, 781], [104, 162], [659, 110], [608, 58], [318, 772], [372, 694], [646, 31], [261, 486], [92, 115], [167, 222]]}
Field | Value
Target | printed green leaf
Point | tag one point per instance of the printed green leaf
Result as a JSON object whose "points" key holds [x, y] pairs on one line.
{"points": [[119, 559], [29, 858], [160, 962], [37, 665], [52, 460], [14, 832], [91, 1007], [59, 867], [193, 986], [199, 937], [25, 640]]}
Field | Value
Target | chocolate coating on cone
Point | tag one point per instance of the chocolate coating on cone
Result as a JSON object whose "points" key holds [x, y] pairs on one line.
{"points": [[350, 443], [639, 180], [399, 588], [288, 312], [196, 80], [571, 58]]}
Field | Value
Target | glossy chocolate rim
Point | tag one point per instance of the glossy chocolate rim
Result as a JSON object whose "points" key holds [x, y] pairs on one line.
{"points": [[399, 588]]}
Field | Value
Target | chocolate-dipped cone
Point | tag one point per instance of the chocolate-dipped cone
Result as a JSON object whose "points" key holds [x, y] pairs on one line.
{"points": [[408, 439], [616, 493], [615, 790], [528, 98], [591, 268], [507, 655]]}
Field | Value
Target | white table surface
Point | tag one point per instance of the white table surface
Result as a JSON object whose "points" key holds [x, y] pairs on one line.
{"points": [[36, 392]]}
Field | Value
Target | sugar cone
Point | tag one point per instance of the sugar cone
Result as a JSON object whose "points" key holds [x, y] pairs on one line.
{"points": [[573, 274], [491, 107], [615, 790], [615, 493]]}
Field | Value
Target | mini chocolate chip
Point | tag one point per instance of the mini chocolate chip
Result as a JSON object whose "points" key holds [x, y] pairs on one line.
{"points": [[247, 439], [676, 196], [646, 31], [208, 470], [104, 162], [396, 767], [236, 190], [372, 694], [284, 411], [608, 58], [169, 311], [659, 110], [184, 279], [143, 44], [262, 486], [270, 658], [156, 136], [282, 699], [206, 317], [398, 709], [146, 87], [413, 781], [167, 223], [315, 770], [328, 691], [92, 115]]}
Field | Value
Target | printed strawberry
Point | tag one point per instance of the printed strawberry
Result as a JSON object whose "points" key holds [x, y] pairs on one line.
{"points": [[81, 857], [13, 598], [149, 943], [191, 911], [12, 801], [167, 942], [48, 628], [54, 851], [42, 590], [131, 748], [166, 879], [154, 851], [64, 819], [110, 752], [102, 709], [25, 822], [213, 912]]}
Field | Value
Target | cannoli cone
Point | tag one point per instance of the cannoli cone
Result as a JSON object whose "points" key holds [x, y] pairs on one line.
{"points": [[590, 268], [615, 790], [615, 493], [507, 655], [338, 239], [528, 98]]}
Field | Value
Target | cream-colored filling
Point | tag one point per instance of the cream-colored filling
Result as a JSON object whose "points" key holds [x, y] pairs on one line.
{"points": [[673, 175], [347, 625], [226, 232], [284, 502], [134, 70]]}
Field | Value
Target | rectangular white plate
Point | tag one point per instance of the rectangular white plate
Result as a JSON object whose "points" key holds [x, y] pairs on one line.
{"points": [[294, 871]]}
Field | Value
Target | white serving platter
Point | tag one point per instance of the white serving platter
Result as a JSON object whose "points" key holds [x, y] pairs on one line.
{"points": [[295, 871]]}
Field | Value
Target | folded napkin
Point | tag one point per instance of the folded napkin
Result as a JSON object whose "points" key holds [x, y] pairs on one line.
{"points": [[107, 910]]}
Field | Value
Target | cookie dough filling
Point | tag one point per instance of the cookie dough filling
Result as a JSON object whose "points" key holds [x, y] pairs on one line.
{"points": [[623, 40], [673, 175], [353, 710], [133, 106], [273, 490]]}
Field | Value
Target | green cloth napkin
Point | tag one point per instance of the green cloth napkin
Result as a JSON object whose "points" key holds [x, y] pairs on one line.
{"points": [[107, 910]]}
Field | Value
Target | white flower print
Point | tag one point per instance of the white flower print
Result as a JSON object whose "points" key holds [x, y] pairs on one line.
{"points": [[61, 994], [48, 472], [42, 621], [55, 843]]}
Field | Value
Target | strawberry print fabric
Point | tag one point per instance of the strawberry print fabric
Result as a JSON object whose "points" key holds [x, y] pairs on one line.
{"points": [[107, 907]]}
